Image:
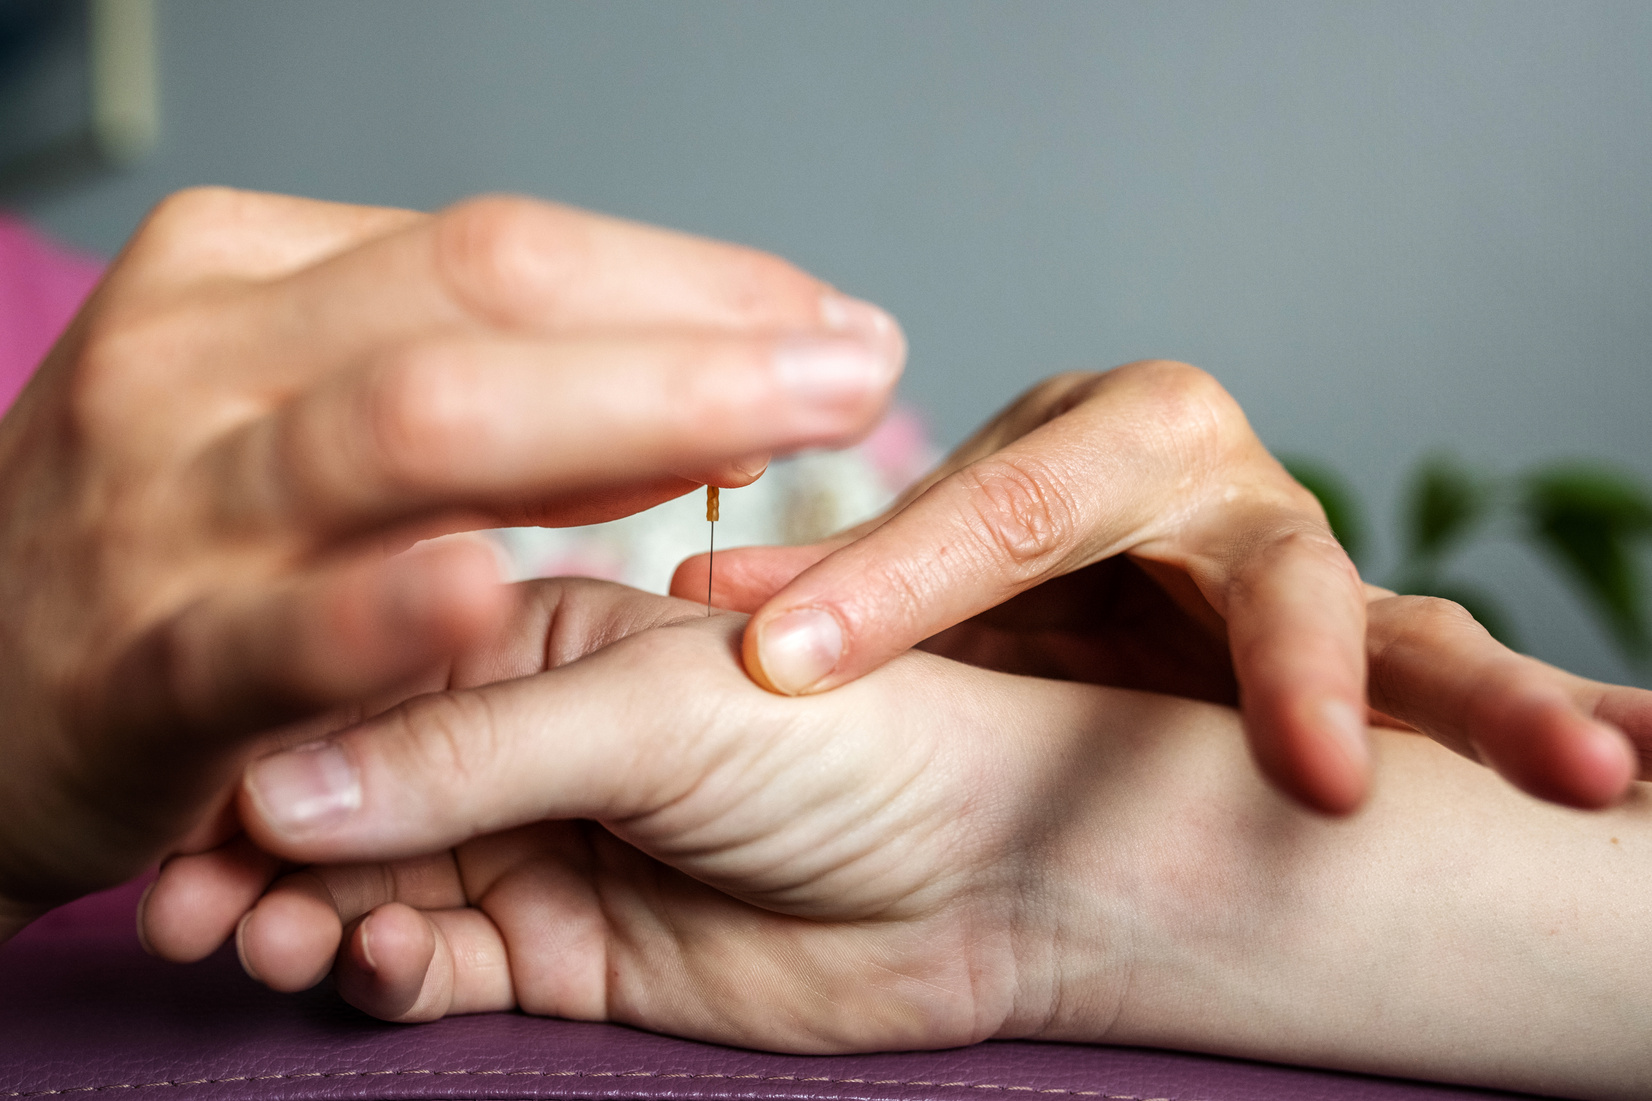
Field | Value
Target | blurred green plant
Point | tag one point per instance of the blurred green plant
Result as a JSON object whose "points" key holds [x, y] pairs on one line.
{"points": [[1583, 518]]}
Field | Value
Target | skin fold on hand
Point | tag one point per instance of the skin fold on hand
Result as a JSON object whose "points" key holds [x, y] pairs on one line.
{"points": [[933, 854], [1128, 528], [206, 490]]}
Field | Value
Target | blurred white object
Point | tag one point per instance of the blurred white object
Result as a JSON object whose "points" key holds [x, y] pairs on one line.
{"points": [[797, 500]]}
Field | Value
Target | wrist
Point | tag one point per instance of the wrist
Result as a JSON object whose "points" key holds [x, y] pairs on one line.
{"points": [[1434, 934], [1154, 889], [1116, 877]]}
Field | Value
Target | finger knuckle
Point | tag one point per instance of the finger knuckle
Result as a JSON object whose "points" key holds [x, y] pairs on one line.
{"points": [[1022, 509], [508, 258], [1182, 399], [762, 288], [416, 414], [1315, 544], [113, 370], [1434, 616], [1296, 498], [183, 214], [1288, 550], [1409, 626], [448, 737]]}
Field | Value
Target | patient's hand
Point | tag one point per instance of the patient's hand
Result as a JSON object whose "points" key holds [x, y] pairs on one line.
{"points": [[930, 855], [680, 849], [1129, 529]]}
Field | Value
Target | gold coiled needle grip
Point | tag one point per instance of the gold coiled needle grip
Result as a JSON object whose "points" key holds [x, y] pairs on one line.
{"points": [[711, 518]]}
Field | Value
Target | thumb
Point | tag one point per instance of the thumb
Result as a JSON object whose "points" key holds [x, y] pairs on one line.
{"points": [[579, 741]]}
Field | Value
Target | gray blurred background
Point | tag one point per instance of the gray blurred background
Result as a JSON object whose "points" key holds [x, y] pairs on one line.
{"points": [[1386, 227]]}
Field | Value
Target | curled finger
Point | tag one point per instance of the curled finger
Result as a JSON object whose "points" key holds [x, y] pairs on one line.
{"points": [[504, 425], [1554, 735]]}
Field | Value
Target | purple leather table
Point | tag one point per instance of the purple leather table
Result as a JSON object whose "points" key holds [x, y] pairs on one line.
{"points": [[84, 1011]]}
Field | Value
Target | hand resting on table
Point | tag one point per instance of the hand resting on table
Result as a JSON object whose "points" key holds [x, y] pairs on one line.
{"points": [[603, 818]]}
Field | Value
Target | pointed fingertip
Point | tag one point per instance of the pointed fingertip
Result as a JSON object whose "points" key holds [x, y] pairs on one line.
{"points": [[1319, 753], [1550, 750], [451, 590], [1592, 766]]}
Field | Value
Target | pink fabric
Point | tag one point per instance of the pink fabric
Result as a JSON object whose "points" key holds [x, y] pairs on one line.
{"points": [[42, 284], [899, 448]]}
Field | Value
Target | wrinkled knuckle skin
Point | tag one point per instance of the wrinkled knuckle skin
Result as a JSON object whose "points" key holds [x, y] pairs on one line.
{"points": [[416, 413], [507, 258], [1187, 399], [1299, 545], [1022, 509], [1411, 627], [1316, 543], [449, 740], [112, 368]]}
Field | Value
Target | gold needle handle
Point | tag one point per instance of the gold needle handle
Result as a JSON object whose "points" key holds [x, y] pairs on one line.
{"points": [[711, 518]]}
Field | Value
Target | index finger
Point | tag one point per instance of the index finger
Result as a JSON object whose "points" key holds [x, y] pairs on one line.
{"points": [[1091, 482], [1156, 460], [503, 264]]}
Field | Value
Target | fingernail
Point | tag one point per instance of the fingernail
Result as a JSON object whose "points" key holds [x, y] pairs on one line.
{"points": [[143, 914], [799, 648], [830, 369], [304, 788], [364, 938], [843, 314], [752, 466], [241, 946], [1346, 723]]}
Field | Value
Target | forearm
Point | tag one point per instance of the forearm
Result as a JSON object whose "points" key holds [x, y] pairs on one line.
{"points": [[1452, 930]]}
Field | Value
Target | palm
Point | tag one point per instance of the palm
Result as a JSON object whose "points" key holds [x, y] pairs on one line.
{"points": [[825, 844], [596, 929]]}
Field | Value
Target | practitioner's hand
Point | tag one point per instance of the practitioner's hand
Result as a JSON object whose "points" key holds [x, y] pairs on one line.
{"points": [[874, 867], [1128, 528], [203, 491]]}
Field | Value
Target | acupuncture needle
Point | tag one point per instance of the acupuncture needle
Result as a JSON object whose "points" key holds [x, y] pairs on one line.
{"points": [[711, 558]]}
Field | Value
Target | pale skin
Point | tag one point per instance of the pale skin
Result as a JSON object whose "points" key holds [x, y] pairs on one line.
{"points": [[932, 855], [1128, 528], [208, 491]]}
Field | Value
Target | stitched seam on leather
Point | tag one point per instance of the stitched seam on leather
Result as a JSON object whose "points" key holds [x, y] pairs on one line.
{"points": [[590, 1074]]}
